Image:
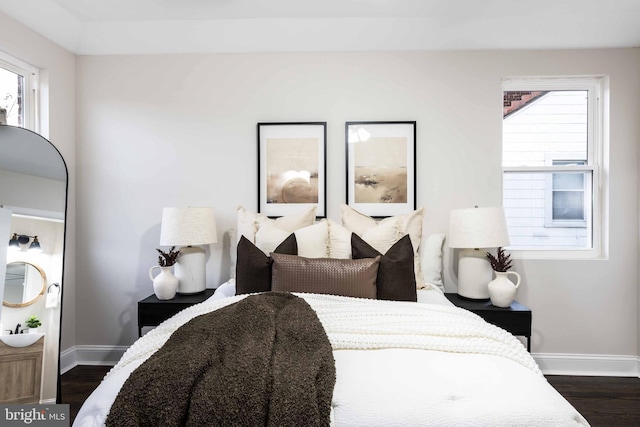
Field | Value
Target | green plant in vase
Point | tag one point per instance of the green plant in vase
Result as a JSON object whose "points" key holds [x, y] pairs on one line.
{"points": [[33, 322]]}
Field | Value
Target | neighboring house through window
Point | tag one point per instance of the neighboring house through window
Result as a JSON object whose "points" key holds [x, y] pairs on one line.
{"points": [[18, 84], [552, 165]]}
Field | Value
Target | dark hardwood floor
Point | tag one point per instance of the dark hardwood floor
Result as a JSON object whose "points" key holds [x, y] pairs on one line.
{"points": [[78, 383], [603, 401]]}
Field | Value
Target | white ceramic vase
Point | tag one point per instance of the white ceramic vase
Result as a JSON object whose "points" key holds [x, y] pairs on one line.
{"points": [[165, 284], [502, 291], [33, 330]]}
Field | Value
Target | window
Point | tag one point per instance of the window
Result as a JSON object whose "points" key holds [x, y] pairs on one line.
{"points": [[565, 198], [552, 165], [18, 83]]}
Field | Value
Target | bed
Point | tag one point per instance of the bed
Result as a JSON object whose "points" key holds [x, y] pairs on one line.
{"points": [[411, 358]]}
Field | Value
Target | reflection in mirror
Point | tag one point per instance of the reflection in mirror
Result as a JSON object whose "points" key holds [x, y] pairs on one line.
{"points": [[24, 284], [33, 197]]}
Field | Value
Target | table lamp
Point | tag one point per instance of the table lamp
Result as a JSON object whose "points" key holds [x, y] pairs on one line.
{"points": [[475, 230], [189, 227]]}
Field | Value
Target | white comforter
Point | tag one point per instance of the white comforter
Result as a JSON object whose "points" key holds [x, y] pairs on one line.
{"points": [[398, 364]]}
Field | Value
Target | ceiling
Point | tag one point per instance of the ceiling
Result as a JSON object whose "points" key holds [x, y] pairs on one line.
{"points": [[194, 26]]}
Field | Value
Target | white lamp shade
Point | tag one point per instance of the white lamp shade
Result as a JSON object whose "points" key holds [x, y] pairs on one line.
{"points": [[478, 228], [188, 226]]}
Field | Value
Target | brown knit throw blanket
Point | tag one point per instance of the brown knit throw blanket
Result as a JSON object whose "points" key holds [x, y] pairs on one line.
{"points": [[263, 361]]}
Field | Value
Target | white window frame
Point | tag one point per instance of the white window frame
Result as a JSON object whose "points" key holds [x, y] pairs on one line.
{"points": [[30, 94], [597, 86]]}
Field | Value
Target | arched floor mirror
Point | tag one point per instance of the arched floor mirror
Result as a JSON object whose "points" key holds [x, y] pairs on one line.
{"points": [[33, 203]]}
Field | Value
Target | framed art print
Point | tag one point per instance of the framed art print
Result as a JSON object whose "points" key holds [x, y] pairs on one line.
{"points": [[291, 168], [381, 167]]}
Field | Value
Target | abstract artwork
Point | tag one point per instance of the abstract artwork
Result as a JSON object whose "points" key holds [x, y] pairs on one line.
{"points": [[291, 167], [381, 167]]}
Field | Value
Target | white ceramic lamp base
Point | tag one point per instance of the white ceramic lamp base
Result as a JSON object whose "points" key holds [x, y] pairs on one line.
{"points": [[474, 274], [191, 270]]}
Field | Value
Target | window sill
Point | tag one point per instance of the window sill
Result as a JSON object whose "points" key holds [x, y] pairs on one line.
{"points": [[557, 254]]}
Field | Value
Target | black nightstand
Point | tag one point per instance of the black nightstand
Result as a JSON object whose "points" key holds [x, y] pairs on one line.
{"points": [[515, 319], [152, 311]]}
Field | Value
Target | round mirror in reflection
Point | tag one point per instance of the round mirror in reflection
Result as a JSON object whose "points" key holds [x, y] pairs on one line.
{"points": [[24, 284]]}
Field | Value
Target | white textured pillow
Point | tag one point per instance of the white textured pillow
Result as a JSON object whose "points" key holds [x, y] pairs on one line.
{"points": [[233, 252], [324, 239], [357, 221], [268, 237], [431, 260], [250, 222], [312, 240], [383, 234], [339, 241]]}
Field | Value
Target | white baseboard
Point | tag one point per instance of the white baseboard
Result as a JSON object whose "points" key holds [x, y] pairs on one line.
{"points": [[103, 355], [605, 365], [550, 363]]}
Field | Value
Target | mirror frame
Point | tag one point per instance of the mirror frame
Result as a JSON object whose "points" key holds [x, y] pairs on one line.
{"points": [[37, 297], [64, 250]]}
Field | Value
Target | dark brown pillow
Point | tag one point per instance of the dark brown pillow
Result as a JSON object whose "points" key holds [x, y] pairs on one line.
{"points": [[396, 276], [346, 277], [253, 267]]}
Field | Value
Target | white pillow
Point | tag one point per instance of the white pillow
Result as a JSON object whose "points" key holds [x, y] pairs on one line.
{"points": [[233, 252], [431, 260], [339, 241], [268, 237], [385, 233], [248, 224], [324, 239], [313, 240]]}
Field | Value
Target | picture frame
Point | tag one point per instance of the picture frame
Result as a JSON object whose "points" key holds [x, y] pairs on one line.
{"points": [[381, 167], [292, 169]]}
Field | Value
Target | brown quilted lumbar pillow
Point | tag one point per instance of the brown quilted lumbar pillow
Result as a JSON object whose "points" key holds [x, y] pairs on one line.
{"points": [[346, 277]]}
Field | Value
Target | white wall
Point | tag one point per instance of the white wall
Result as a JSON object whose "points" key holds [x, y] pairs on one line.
{"points": [[171, 130], [176, 130]]}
